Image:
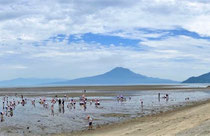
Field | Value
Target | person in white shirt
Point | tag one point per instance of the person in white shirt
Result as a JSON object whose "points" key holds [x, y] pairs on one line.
{"points": [[90, 122]]}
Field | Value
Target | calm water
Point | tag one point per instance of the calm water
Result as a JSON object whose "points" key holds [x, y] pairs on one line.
{"points": [[41, 120]]}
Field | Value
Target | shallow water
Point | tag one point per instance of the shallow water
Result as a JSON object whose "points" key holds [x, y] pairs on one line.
{"points": [[40, 120]]}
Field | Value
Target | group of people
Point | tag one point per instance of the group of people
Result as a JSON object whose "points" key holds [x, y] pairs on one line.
{"points": [[121, 98], [8, 105]]}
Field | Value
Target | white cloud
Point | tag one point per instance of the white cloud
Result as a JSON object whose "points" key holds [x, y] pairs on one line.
{"points": [[24, 22], [42, 19], [13, 67], [81, 59]]}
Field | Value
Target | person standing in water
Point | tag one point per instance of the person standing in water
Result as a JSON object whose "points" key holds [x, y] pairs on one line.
{"points": [[142, 103], [90, 123], [52, 109], [167, 97], [63, 102], [11, 111], [158, 96], [2, 116], [59, 101], [3, 105]]}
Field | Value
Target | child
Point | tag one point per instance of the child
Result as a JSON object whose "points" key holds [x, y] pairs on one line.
{"points": [[90, 122], [52, 109]]}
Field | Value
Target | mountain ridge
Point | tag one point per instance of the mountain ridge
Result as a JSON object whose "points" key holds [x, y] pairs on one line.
{"points": [[117, 75], [17, 82], [204, 78]]}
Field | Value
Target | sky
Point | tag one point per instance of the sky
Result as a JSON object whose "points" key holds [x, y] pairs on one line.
{"points": [[68, 39]]}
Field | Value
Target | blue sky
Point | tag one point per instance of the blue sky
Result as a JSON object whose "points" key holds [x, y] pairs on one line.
{"points": [[70, 39]]}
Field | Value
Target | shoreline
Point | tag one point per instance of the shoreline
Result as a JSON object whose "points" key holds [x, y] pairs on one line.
{"points": [[92, 90], [135, 126], [152, 124], [105, 87]]}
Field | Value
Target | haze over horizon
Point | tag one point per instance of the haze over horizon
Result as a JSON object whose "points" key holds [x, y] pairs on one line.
{"points": [[168, 39]]}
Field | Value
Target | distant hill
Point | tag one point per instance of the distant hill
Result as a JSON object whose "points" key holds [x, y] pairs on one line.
{"points": [[27, 82], [117, 76], [205, 78]]}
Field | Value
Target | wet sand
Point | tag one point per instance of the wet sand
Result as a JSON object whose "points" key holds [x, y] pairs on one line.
{"points": [[78, 90], [184, 121], [193, 119]]}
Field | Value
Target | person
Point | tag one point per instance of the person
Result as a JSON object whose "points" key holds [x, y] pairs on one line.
{"points": [[2, 116], [63, 102], [33, 102], [187, 98], [59, 101], [167, 97], [3, 105], [158, 96], [90, 123], [142, 103], [23, 102], [85, 107], [63, 109], [11, 111], [52, 109]]}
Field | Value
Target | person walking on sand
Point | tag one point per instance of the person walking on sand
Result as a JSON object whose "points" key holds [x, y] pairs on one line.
{"points": [[90, 123]]}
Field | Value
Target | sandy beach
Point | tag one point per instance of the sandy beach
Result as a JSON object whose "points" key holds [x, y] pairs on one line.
{"points": [[191, 120], [104, 67]]}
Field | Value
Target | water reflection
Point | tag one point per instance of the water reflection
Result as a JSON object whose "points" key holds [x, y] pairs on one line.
{"points": [[65, 110]]}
